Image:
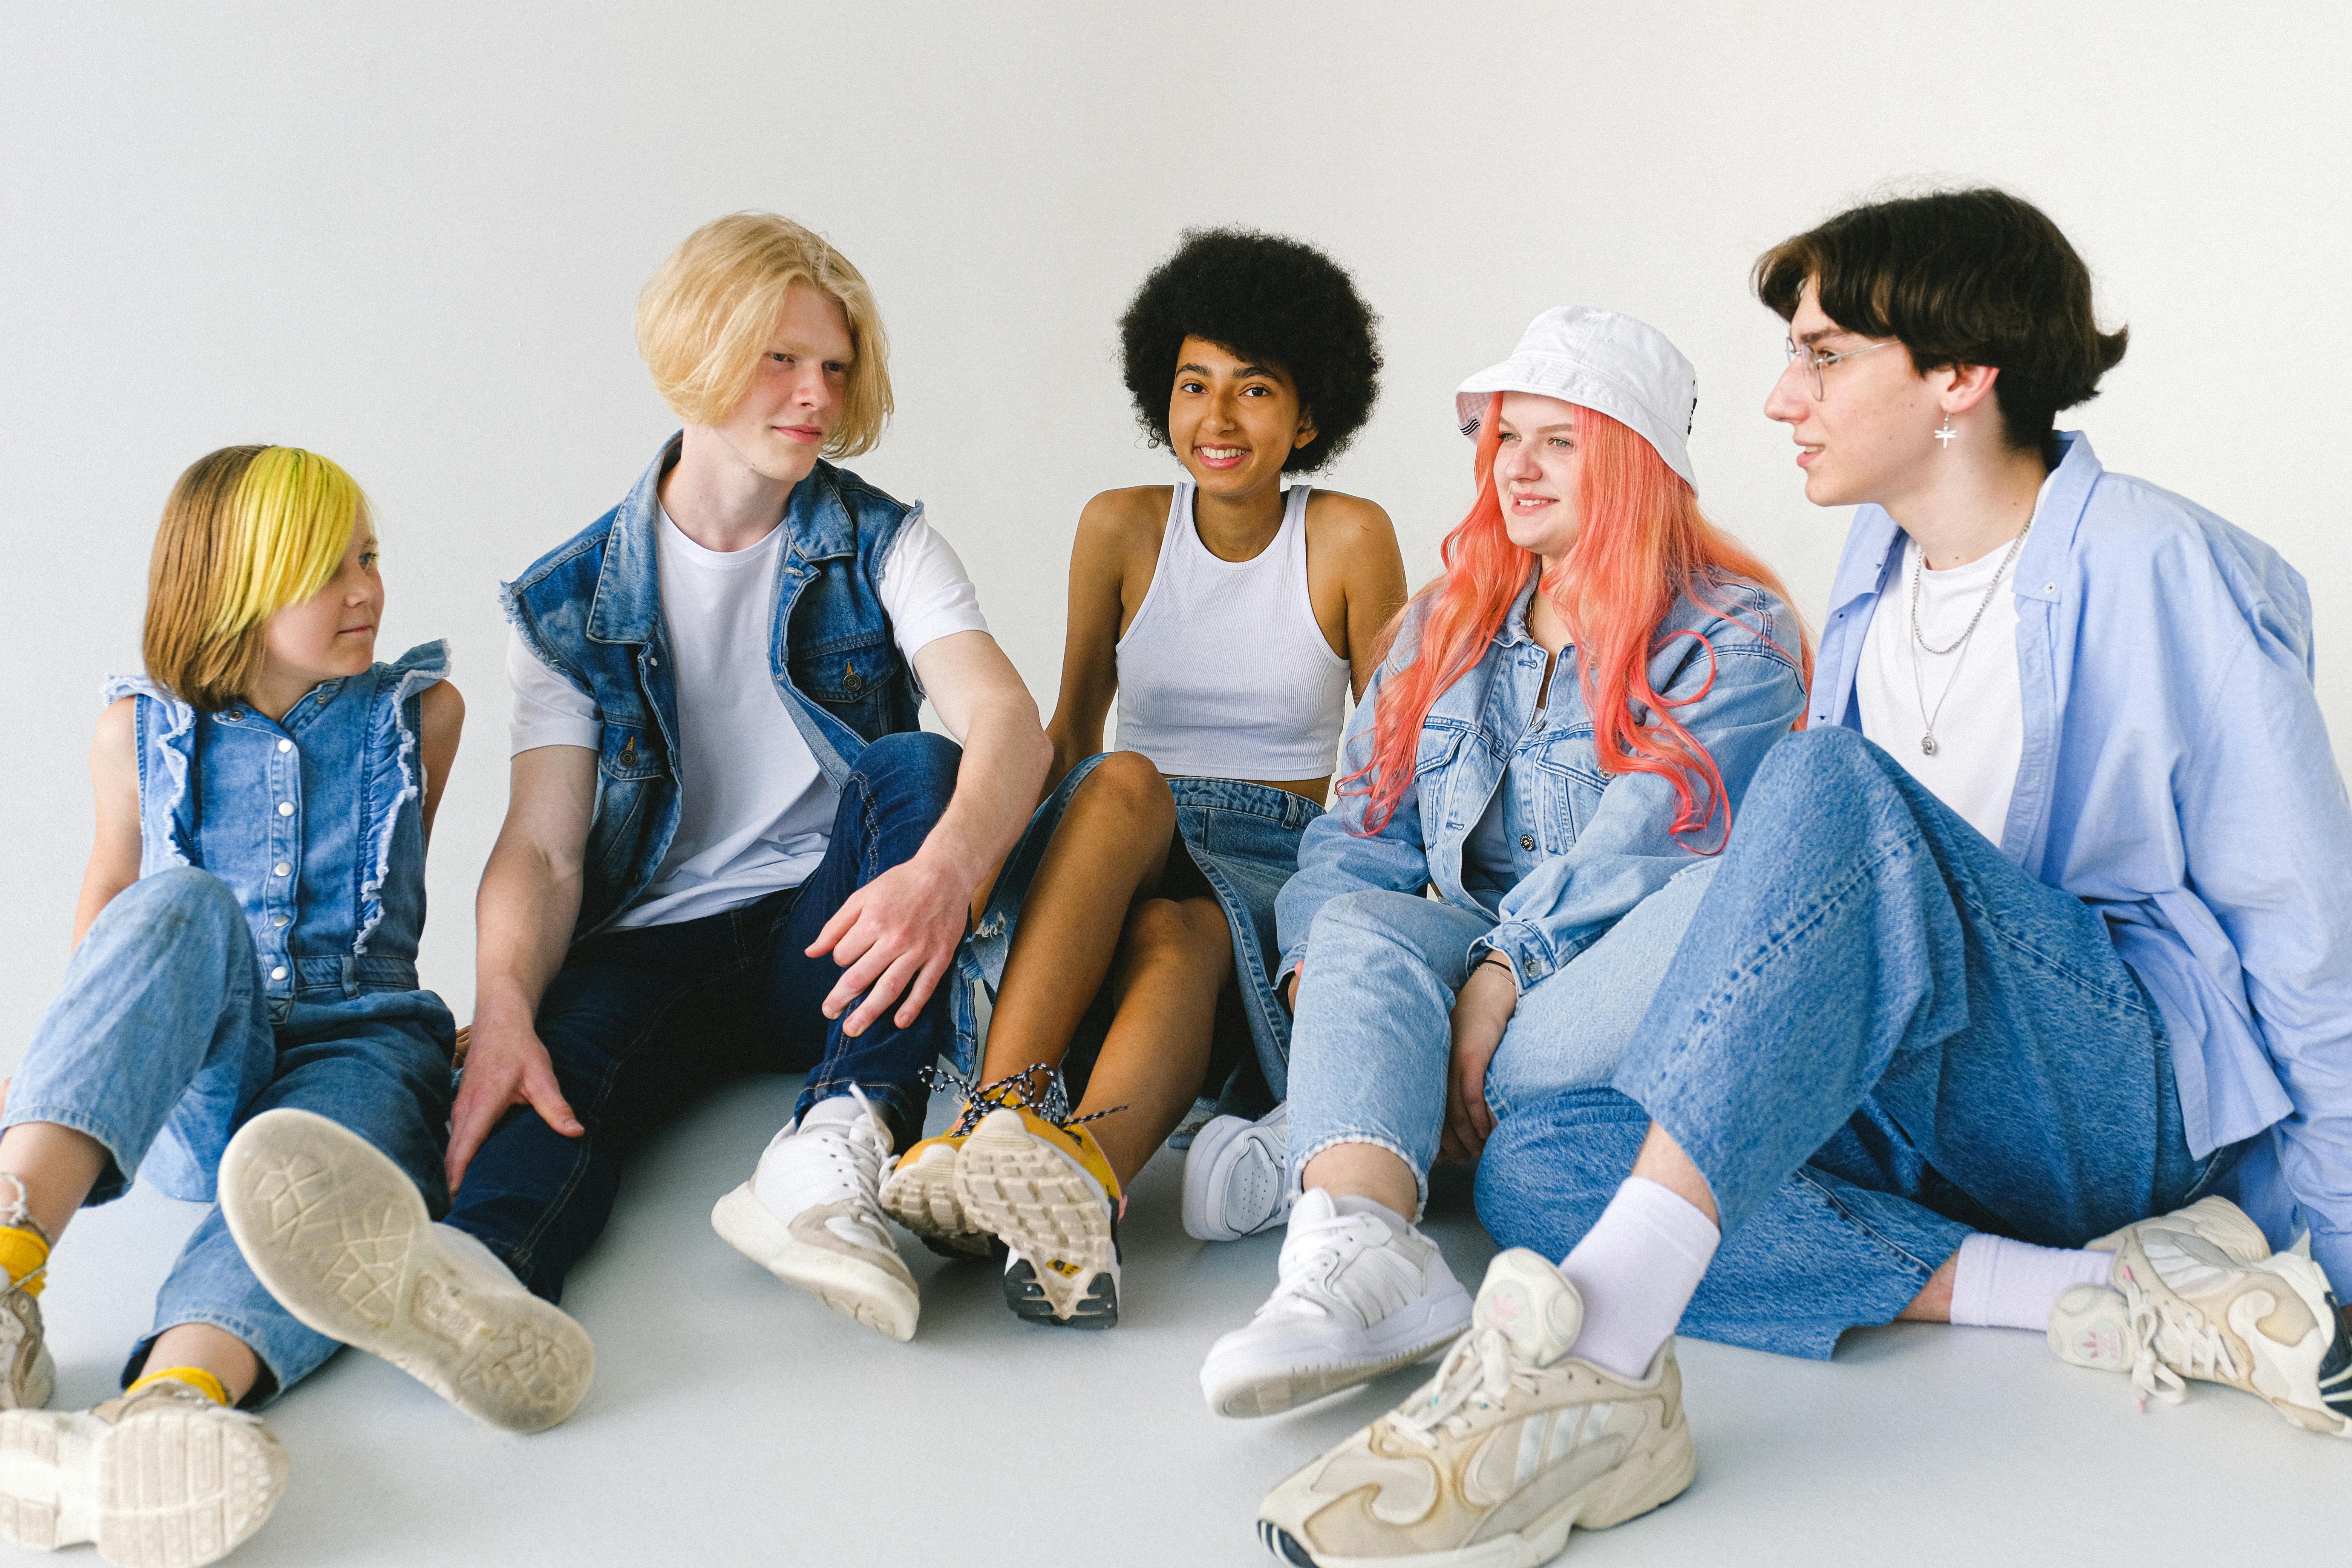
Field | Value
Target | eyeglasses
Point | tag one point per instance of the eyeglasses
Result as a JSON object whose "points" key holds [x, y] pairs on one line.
{"points": [[1818, 361]]}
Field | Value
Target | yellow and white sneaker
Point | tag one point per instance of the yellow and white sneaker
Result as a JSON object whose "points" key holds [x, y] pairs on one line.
{"points": [[2199, 1294], [1492, 1462], [163, 1477], [1045, 1189], [27, 1374], [920, 1190]]}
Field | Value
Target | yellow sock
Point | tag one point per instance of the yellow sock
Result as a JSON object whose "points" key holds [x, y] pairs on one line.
{"points": [[24, 1254], [195, 1377]]}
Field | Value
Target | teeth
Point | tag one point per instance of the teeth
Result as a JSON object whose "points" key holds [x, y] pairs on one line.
{"points": [[1219, 454]]}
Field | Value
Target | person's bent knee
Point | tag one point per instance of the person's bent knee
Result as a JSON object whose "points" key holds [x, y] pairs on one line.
{"points": [[1191, 929], [914, 771], [1375, 912], [177, 901], [1126, 788]]}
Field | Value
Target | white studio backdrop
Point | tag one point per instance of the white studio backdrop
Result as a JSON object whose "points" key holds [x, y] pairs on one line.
{"points": [[411, 237]]}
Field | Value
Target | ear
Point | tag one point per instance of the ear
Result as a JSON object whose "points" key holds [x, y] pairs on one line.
{"points": [[1306, 431], [1969, 384]]}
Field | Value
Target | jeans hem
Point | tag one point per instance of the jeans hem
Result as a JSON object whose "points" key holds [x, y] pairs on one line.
{"points": [[273, 1381], [104, 1191], [1300, 1161]]}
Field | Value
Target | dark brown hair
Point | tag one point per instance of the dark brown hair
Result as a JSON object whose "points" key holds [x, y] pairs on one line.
{"points": [[1972, 276], [187, 580]]}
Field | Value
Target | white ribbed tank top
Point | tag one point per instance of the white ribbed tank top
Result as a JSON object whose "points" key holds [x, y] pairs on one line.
{"points": [[1224, 672]]}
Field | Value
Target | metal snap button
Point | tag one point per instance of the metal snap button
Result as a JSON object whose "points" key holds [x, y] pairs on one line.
{"points": [[279, 972], [1527, 840], [277, 919], [285, 746], [281, 869], [285, 808], [233, 714]]}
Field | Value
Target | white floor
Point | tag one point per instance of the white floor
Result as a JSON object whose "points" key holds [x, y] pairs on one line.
{"points": [[735, 1421]]}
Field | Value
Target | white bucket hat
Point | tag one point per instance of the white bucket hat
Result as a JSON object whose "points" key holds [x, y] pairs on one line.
{"points": [[1602, 361]]}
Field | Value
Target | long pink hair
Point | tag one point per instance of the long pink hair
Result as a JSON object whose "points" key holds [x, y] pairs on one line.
{"points": [[1644, 543]]}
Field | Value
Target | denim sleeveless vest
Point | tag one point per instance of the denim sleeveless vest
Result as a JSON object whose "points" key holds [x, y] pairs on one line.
{"points": [[591, 610], [315, 821]]}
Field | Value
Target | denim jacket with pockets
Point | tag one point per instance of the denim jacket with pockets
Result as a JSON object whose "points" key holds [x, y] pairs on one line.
{"points": [[1606, 842], [591, 610]]}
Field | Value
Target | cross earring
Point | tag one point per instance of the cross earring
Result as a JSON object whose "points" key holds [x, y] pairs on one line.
{"points": [[1946, 433]]}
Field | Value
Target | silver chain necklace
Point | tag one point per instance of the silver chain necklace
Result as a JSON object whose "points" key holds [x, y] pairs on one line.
{"points": [[1919, 638]]}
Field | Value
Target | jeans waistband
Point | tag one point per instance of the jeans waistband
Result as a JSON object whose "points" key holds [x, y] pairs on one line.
{"points": [[1291, 809], [319, 979]]}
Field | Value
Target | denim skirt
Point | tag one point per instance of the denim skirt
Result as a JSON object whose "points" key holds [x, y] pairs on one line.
{"points": [[1243, 838]]}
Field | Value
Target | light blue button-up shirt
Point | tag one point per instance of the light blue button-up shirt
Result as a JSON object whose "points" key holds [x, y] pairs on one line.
{"points": [[2177, 776]]}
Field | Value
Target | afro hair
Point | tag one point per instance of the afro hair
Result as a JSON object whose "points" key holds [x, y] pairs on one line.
{"points": [[1267, 299]]}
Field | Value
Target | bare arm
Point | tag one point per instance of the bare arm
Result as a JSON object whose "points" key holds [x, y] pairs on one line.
{"points": [[523, 918], [442, 719], [896, 936], [1359, 539], [1101, 562], [114, 779]]}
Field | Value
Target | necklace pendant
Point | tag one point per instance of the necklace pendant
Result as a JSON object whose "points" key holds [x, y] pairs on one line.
{"points": [[1928, 743]]}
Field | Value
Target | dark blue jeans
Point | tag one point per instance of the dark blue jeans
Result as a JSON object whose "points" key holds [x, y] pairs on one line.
{"points": [[1877, 1036], [640, 1024]]}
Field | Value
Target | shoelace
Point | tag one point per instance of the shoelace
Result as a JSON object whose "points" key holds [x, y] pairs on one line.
{"points": [[2192, 1343], [860, 1147], [1478, 1373], [1051, 1104], [1310, 1278]]}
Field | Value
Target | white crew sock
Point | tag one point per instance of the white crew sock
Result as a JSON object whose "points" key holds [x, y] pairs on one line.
{"points": [[2003, 1284], [1636, 1270], [1398, 1225]]}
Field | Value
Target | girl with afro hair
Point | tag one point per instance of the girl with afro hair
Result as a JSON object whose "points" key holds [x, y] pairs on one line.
{"points": [[1127, 938]]}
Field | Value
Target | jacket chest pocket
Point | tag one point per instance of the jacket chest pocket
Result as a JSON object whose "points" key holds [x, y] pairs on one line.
{"points": [[628, 753], [853, 679], [1572, 784]]}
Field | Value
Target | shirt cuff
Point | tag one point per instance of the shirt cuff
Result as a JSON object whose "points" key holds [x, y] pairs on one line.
{"points": [[1529, 954]]}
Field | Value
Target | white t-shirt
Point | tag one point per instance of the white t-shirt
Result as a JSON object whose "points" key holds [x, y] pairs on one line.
{"points": [[756, 810], [1980, 724]]}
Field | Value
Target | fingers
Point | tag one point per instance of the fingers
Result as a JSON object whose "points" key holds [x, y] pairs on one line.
{"points": [[540, 1089], [470, 1123], [919, 995], [838, 927], [882, 992]]}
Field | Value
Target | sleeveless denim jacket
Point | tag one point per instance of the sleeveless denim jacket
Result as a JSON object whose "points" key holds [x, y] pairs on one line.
{"points": [[315, 821], [591, 611]]}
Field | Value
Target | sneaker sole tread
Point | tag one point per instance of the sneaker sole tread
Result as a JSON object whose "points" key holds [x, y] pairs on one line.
{"points": [[1045, 1209]]}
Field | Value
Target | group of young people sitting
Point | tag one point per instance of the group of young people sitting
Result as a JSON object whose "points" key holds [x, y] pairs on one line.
{"points": [[1988, 963]]}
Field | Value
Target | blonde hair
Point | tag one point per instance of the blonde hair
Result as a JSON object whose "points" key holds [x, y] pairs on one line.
{"points": [[705, 320], [247, 531]]}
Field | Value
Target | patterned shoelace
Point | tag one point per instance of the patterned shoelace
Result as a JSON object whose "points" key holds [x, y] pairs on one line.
{"points": [[1050, 1104]]}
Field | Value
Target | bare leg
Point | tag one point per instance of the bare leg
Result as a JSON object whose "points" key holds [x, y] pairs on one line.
{"points": [[1365, 1171], [1173, 959], [58, 1167], [217, 1350], [1662, 1161], [1110, 849]]}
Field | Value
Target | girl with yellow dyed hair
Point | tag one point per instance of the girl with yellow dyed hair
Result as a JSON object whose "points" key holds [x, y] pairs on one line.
{"points": [[244, 956]]}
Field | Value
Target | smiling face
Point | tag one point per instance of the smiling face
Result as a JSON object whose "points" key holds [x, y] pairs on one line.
{"points": [[1537, 468], [331, 633], [1233, 422], [780, 426], [1862, 440]]}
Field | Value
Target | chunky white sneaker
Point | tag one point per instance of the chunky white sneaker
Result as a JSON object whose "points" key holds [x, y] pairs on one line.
{"points": [[1237, 1177], [812, 1215], [2185, 1299], [338, 1233], [160, 1479], [1492, 1463], [1356, 1299]]}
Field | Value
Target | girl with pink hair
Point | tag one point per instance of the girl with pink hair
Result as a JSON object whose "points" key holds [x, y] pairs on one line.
{"points": [[1556, 742]]}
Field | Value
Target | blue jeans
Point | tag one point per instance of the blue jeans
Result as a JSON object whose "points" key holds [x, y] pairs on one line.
{"points": [[1881, 1036], [162, 1041], [1369, 1049], [640, 1024]]}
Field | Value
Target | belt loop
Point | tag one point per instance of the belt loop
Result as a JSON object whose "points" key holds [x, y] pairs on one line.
{"points": [[351, 977]]}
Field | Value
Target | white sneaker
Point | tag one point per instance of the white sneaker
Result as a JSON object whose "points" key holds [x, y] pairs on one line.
{"points": [[161, 1479], [340, 1235], [1356, 1299], [1490, 1464], [1237, 1177], [812, 1215], [2192, 1294]]}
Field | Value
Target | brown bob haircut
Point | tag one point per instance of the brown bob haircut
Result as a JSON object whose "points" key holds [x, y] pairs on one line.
{"points": [[1971, 277]]}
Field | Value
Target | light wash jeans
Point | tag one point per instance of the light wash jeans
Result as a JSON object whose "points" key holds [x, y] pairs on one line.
{"points": [[161, 1034], [1373, 1037], [1881, 1035]]}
